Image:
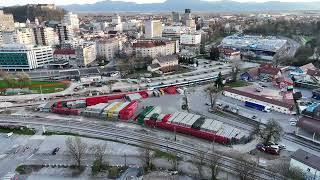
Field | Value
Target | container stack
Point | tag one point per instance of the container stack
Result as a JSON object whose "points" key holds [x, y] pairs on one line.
{"points": [[156, 110], [133, 97], [198, 123], [77, 104], [115, 113], [94, 111], [112, 109], [143, 114], [128, 112], [104, 114]]}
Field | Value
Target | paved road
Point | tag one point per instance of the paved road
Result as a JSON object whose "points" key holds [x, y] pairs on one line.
{"points": [[123, 135]]}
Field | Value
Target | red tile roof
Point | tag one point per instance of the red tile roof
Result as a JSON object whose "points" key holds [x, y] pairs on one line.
{"points": [[260, 98], [269, 69], [150, 44], [65, 51]]}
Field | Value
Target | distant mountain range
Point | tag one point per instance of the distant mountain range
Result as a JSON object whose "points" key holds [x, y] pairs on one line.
{"points": [[195, 5]]}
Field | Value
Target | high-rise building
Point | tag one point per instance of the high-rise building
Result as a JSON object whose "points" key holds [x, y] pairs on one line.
{"points": [[24, 57], [176, 17], [86, 53], [187, 15], [6, 21], [153, 29], [116, 19], [191, 23], [19, 35], [44, 36], [65, 33], [71, 20]]}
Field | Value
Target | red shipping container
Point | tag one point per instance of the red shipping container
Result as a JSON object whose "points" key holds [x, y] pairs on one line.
{"points": [[166, 118], [143, 94], [171, 90]]}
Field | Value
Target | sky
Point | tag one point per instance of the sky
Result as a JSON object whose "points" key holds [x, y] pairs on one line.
{"points": [[64, 2]]}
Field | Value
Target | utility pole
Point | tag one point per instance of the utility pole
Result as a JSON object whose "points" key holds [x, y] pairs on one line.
{"points": [[175, 134], [125, 159]]}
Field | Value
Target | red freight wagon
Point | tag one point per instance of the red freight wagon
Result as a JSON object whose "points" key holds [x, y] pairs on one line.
{"points": [[143, 94], [127, 112], [116, 96], [91, 101], [171, 90], [166, 118]]}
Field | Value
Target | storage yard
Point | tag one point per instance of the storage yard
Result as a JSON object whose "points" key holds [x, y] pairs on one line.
{"points": [[133, 108]]}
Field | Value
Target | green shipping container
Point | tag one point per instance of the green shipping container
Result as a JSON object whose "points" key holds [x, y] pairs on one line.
{"points": [[144, 113]]}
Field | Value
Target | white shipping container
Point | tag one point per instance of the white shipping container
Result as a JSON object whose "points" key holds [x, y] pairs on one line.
{"points": [[171, 119], [156, 109]]}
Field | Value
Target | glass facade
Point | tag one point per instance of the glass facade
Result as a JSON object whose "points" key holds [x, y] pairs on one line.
{"points": [[13, 59]]}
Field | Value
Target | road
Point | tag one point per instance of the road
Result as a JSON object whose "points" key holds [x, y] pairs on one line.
{"points": [[126, 136]]}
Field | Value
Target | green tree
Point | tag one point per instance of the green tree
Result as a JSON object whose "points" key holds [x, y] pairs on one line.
{"points": [[214, 53], [98, 163]]}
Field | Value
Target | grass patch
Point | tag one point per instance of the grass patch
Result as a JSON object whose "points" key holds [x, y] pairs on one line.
{"points": [[163, 154], [37, 86], [17, 130], [238, 84]]}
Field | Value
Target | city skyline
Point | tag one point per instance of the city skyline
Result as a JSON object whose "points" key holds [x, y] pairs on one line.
{"points": [[62, 2]]}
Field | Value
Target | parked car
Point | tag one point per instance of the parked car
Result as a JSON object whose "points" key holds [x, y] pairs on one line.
{"points": [[292, 123], [254, 117], [268, 149], [55, 150]]}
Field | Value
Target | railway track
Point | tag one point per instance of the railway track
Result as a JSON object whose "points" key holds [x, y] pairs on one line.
{"points": [[101, 131], [302, 142]]}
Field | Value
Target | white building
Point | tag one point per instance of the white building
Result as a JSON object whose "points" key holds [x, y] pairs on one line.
{"points": [[24, 57], [108, 48], [155, 48], [153, 29], [86, 53], [19, 36], [6, 21], [116, 19], [71, 20], [65, 33], [276, 105], [45, 36], [190, 39], [307, 162]]}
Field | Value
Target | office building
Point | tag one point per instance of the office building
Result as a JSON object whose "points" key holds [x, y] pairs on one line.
{"points": [[86, 53], [65, 33], [190, 39], [19, 36], [187, 15], [71, 20], [6, 21], [45, 36], [176, 17], [155, 48], [116, 19], [153, 29], [24, 57]]}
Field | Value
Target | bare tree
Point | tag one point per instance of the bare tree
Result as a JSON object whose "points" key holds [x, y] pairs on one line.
{"points": [[9, 79], [235, 69], [245, 168], [175, 161], [213, 93], [199, 162], [146, 155], [284, 169], [271, 132], [23, 78], [214, 164], [99, 153], [76, 148]]}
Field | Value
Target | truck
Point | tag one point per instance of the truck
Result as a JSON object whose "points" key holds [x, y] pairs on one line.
{"points": [[257, 106]]}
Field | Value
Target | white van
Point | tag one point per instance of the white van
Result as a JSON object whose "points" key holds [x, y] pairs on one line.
{"points": [[9, 134]]}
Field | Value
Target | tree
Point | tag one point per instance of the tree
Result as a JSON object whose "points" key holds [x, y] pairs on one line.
{"points": [[175, 161], [110, 85], [219, 81], [245, 167], [98, 163], [214, 164], [213, 93], [271, 132], [235, 68], [3, 73], [214, 53], [23, 78], [146, 156], [199, 162], [76, 149], [9, 80], [284, 169]]}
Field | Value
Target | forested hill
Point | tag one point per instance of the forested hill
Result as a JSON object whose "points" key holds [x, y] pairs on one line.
{"points": [[22, 13]]}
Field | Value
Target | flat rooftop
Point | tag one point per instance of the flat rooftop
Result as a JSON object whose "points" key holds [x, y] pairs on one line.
{"points": [[265, 43]]}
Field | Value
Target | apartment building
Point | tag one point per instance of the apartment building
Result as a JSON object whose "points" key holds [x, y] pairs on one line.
{"points": [[108, 48], [6, 21], [153, 29], [155, 48]]}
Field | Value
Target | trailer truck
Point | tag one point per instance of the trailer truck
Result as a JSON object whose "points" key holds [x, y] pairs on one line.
{"points": [[257, 106]]}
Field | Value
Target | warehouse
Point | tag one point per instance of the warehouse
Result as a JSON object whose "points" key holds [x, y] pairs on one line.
{"points": [[274, 104]]}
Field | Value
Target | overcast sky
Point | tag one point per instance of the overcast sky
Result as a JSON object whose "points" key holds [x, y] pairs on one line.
{"points": [[63, 2]]}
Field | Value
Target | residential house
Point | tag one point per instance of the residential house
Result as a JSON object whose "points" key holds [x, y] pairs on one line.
{"points": [[307, 162], [64, 54], [312, 76], [229, 54], [250, 75], [265, 71]]}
